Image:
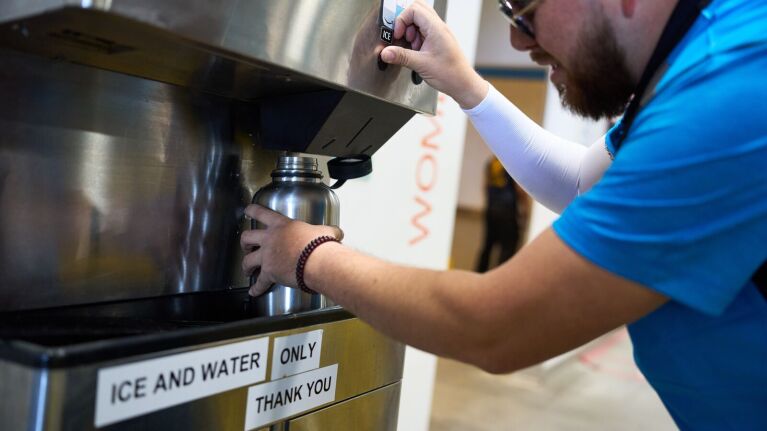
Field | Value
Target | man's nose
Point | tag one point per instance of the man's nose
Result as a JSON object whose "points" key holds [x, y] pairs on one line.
{"points": [[521, 41]]}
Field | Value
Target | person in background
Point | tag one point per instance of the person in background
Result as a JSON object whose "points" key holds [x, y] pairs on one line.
{"points": [[663, 223], [505, 215]]}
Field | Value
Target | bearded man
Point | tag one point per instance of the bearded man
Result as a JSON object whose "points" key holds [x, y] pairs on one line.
{"points": [[663, 224]]}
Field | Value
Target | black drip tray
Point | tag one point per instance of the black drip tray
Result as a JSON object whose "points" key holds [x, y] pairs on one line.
{"points": [[84, 323], [64, 330], [88, 333]]}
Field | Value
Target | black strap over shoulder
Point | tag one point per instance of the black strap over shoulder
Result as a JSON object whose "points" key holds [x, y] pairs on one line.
{"points": [[760, 279], [681, 20], [679, 23]]}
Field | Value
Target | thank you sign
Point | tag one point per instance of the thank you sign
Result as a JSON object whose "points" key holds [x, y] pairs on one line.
{"points": [[280, 399]]}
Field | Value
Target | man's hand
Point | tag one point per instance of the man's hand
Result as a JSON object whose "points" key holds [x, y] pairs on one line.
{"points": [[273, 250], [435, 55]]}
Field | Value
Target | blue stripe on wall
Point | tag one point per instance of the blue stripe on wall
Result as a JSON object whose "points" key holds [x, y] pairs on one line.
{"points": [[513, 73]]}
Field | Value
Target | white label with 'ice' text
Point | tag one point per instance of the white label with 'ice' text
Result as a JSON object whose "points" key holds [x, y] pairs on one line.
{"points": [[296, 353], [274, 401], [131, 390]]}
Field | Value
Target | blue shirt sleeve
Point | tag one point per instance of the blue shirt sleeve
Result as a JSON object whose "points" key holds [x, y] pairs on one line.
{"points": [[683, 208]]}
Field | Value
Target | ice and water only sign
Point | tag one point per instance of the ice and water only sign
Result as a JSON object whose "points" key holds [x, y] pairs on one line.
{"points": [[298, 384], [296, 353], [139, 388]]}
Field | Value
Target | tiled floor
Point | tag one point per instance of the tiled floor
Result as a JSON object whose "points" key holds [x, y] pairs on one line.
{"points": [[597, 388]]}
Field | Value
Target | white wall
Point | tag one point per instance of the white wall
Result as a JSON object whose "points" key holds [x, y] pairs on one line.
{"points": [[404, 212], [493, 49], [471, 190]]}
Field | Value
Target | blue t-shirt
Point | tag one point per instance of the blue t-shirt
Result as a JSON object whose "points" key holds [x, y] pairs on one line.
{"points": [[683, 211]]}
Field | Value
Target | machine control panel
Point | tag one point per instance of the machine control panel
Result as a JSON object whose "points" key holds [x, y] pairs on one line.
{"points": [[390, 10]]}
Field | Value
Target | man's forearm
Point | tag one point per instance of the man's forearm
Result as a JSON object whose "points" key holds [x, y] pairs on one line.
{"points": [[543, 302], [430, 310]]}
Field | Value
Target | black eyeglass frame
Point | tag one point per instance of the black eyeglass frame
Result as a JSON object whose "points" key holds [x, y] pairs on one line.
{"points": [[517, 19]]}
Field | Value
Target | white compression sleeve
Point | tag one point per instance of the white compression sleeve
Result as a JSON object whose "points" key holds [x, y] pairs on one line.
{"points": [[553, 170]]}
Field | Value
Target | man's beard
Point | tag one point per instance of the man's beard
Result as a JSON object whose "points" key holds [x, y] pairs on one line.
{"points": [[598, 84]]}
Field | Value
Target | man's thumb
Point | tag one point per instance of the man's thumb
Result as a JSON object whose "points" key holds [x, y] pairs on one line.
{"points": [[401, 56]]}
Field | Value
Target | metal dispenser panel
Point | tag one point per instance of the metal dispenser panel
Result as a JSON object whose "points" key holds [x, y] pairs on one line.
{"points": [[137, 130], [242, 50], [132, 135]]}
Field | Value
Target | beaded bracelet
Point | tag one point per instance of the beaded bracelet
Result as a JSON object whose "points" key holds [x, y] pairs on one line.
{"points": [[301, 265]]}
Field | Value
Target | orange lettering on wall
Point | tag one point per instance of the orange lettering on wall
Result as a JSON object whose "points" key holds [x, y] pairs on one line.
{"points": [[430, 173], [426, 175], [426, 141], [416, 220]]}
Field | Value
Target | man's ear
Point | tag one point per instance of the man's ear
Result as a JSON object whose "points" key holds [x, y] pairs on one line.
{"points": [[628, 7]]}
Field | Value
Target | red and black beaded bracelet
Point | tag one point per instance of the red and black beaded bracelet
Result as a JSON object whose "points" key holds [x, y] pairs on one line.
{"points": [[301, 265]]}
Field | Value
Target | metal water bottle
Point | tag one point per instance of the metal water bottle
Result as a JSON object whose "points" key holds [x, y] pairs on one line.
{"points": [[296, 191]]}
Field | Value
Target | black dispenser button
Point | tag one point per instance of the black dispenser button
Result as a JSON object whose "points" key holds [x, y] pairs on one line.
{"points": [[382, 65], [417, 79]]}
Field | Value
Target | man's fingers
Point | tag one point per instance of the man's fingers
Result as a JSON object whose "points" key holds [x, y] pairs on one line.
{"points": [[253, 277], [401, 56], [263, 214], [403, 21], [251, 262], [251, 238], [260, 287], [338, 233], [417, 43], [418, 15], [410, 33]]}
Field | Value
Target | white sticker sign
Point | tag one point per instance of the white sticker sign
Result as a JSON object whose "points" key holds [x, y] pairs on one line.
{"points": [[274, 401], [131, 390], [391, 9], [296, 353]]}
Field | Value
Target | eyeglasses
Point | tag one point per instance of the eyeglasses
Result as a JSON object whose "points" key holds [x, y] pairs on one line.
{"points": [[518, 15]]}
